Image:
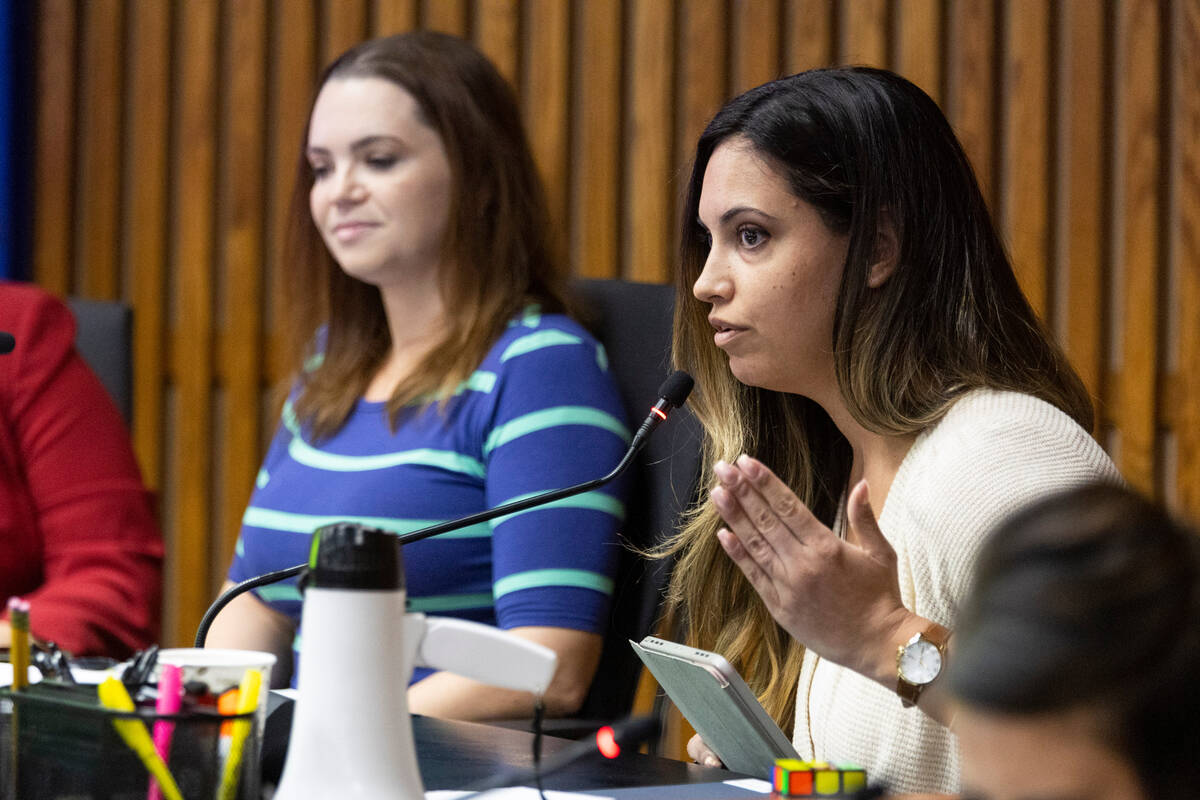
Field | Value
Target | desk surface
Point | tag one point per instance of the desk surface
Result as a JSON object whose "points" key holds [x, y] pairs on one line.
{"points": [[454, 755]]}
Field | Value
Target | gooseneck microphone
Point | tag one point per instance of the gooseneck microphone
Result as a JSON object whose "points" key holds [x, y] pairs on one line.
{"points": [[671, 395], [7, 342]]}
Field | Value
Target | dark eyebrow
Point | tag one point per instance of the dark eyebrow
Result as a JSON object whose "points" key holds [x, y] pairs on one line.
{"points": [[358, 145], [733, 212]]}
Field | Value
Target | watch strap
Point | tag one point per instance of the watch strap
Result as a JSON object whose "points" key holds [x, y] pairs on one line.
{"points": [[909, 693]]}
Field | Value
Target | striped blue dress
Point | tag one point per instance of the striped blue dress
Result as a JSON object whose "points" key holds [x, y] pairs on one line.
{"points": [[541, 412]]}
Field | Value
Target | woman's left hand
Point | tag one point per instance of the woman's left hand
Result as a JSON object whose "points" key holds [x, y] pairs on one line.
{"points": [[841, 599]]}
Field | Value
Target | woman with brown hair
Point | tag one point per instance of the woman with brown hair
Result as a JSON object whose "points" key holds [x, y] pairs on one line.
{"points": [[853, 321], [437, 372]]}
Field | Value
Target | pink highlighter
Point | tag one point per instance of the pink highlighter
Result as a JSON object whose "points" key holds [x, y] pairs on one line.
{"points": [[170, 700]]}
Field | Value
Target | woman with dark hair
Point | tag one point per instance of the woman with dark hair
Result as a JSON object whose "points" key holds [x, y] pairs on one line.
{"points": [[853, 321], [437, 372], [1077, 655]]}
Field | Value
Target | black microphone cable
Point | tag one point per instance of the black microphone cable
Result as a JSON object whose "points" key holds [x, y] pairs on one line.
{"points": [[672, 394]]}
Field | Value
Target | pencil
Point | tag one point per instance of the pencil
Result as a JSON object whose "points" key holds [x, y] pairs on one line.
{"points": [[18, 620]]}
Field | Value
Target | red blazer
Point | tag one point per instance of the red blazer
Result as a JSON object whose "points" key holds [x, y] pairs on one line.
{"points": [[78, 537]]}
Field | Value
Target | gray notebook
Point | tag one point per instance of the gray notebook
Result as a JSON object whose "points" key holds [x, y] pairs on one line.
{"points": [[718, 704]]}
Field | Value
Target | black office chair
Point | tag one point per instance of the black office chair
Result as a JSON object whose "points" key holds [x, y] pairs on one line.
{"points": [[104, 337], [633, 321]]}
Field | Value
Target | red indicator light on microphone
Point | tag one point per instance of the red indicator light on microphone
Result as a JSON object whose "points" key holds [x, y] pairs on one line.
{"points": [[606, 742], [660, 412]]}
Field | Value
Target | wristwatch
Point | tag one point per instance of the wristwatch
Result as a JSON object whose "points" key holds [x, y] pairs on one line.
{"points": [[919, 661]]}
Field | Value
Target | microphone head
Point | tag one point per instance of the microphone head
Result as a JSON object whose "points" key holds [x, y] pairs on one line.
{"points": [[676, 388], [7, 342]]}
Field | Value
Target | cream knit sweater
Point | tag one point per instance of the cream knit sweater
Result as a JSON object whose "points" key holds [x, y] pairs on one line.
{"points": [[992, 453]]}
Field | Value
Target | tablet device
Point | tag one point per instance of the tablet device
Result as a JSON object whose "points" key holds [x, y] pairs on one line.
{"points": [[718, 704]]}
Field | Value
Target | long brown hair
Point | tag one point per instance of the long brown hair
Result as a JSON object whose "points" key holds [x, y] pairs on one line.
{"points": [[498, 241], [866, 148]]}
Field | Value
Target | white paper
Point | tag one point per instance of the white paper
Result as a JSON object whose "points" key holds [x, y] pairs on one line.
{"points": [[511, 793], [751, 785]]}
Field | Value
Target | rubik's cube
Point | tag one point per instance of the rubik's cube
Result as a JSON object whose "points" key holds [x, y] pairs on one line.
{"points": [[794, 778]]}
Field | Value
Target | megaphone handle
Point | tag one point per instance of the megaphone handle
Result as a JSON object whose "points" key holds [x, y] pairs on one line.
{"points": [[486, 654]]}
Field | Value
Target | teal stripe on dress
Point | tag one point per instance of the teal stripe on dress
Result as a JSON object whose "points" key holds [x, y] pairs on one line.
{"points": [[601, 357], [262, 478], [450, 602], [592, 501], [536, 341], [307, 523], [240, 548], [537, 578], [552, 418], [279, 593], [304, 453]]}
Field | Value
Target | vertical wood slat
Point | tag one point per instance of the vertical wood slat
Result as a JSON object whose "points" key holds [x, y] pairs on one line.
{"points": [[448, 16], [241, 239], [393, 16], [808, 37], [1186, 249], [703, 75], [971, 96], [344, 25], [756, 46], [55, 152], [97, 202], [648, 174], [596, 160], [546, 106], [145, 229], [919, 44], [192, 238], [1026, 147], [496, 27], [864, 38], [1138, 40], [1081, 191], [293, 50]]}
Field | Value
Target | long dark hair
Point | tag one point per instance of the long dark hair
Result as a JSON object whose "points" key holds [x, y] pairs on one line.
{"points": [[871, 152], [1091, 599], [498, 240]]}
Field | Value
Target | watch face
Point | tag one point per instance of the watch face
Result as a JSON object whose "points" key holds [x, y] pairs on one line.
{"points": [[920, 663]]}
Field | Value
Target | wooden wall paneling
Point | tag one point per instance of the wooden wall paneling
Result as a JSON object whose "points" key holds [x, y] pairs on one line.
{"points": [[1186, 247], [343, 25], [1081, 189], [545, 102], [756, 49], [147, 124], [449, 16], [193, 202], [971, 98], [496, 34], [97, 199], [1025, 147], [291, 75], [808, 35], [1138, 258], [703, 78], [54, 155], [241, 227], [393, 16], [918, 45], [595, 230], [863, 32], [649, 179]]}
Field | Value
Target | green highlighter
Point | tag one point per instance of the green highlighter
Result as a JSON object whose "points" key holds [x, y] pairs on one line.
{"points": [[113, 696]]}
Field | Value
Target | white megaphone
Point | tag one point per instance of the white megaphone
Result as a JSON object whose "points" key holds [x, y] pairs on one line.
{"points": [[351, 733]]}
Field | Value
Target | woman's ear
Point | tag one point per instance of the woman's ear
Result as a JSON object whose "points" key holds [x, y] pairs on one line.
{"points": [[886, 253]]}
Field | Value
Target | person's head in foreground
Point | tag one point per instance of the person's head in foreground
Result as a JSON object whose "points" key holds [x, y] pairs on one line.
{"points": [[1078, 659]]}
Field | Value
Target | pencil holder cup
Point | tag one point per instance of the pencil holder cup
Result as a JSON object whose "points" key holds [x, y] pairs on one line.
{"points": [[58, 743]]}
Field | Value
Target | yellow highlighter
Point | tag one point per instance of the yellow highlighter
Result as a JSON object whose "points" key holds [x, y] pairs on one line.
{"points": [[247, 703], [113, 696]]}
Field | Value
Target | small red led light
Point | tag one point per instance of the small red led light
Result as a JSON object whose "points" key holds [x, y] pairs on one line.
{"points": [[606, 742], [660, 412]]}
